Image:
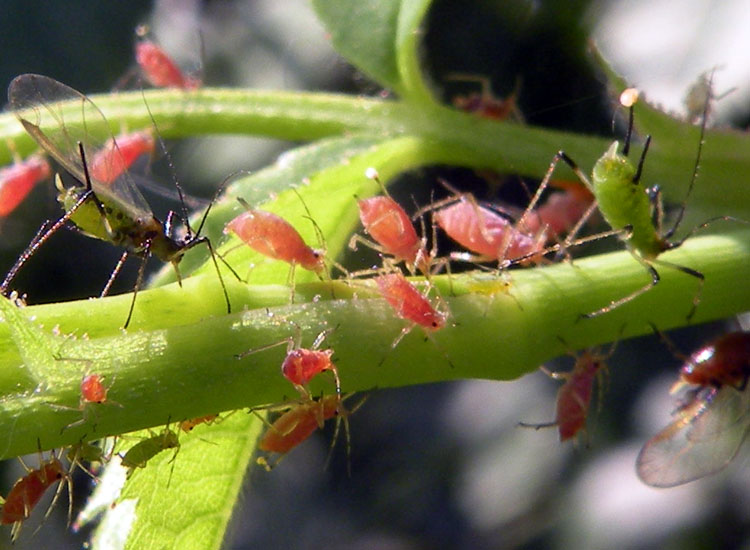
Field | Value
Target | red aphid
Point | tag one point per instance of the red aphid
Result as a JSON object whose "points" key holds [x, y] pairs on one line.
{"points": [[159, 68], [302, 365], [298, 423], [408, 302], [274, 237], [486, 233], [725, 361], [18, 179], [574, 396], [28, 491], [486, 106], [93, 390], [119, 154], [711, 420]]}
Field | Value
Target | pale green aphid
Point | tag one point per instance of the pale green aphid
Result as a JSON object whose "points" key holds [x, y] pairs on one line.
{"points": [[143, 451], [628, 207]]}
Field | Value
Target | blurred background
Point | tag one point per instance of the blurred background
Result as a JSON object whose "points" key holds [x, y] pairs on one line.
{"points": [[441, 466]]}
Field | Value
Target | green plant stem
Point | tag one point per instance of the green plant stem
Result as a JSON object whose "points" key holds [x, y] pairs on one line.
{"points": [[501, 146], [190, 370]]}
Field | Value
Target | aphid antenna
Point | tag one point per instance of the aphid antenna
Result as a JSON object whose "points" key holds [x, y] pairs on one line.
{"points": [[343, 418], [173, 174], [696, 167]]}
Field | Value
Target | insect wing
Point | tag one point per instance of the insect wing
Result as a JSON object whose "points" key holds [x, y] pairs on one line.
{"points": [[704, 437], [59, 118]]}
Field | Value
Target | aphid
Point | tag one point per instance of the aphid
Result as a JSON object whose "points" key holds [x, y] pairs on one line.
{"points": [[300, 421], [490, 236], [409, 304], [190, 424], [114, 212], [574, 396], [303, 364], [710, 422], [93, 454], [626, 205], [93, 390], [158, 67], [18, 179], [389, 224], [273, 236], [561, 211], [485, 104], [28, 491], [119, 154], [143, 451]]}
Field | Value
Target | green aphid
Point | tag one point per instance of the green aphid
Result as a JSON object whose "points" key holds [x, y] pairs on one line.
{"points": [[143, 451], [634, 212]]}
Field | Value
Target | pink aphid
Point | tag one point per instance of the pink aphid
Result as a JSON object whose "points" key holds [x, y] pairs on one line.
{"points": [[160, 70], [18, 179], [119, 154], [408, 303], [273, 236], [389, 224], [486, 233], [561, 211]]}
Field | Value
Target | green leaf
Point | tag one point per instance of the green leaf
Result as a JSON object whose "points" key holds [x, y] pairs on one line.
{"points": [[380, 37], [187, 504]]}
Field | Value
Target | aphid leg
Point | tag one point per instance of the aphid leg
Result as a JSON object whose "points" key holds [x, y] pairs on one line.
{"points": [[655, 278], [114, 274]]}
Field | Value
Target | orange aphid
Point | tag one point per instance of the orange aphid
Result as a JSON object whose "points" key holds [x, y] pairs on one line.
{"points": [[18, 179], [485, 104], [298, 423], [273, 236], [119, 154], [188, 425]]}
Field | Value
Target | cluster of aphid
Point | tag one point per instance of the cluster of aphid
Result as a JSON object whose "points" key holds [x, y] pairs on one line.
{"points": [[109, 207]]}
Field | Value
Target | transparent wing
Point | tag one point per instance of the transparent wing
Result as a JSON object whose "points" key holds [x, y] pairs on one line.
{"points": [[58, 118], [704, 437]]}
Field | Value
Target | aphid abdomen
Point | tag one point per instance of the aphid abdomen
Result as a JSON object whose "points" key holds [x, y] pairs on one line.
{"points": [[624, 203], [302, 365], [274, 237], [389, 225]]}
